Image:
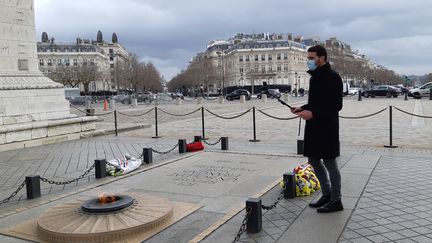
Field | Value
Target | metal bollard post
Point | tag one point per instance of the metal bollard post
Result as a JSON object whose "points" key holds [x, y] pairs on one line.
{"points": [[197, 138], [115, 122], [300, 146], [202, 123], [254, 223], [430, 94], [33, 186], [156, 123], [254, 126], [147, 155], [224, 143], [90, 112], [359, 95], [100, 168], [182, 146], [390, 129], [290, 185]]}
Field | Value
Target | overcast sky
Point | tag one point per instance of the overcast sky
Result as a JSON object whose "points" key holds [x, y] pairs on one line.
{"points": [[393, 33]]}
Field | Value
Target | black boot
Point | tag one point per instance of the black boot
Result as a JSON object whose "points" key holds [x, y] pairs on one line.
{"points": [[332, 206], [321, 202]]}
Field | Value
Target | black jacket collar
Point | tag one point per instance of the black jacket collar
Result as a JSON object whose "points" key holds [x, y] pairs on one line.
{"points": [[320, 69]]}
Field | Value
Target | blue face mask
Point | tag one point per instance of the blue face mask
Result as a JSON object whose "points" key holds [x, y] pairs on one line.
{"points": [[311, 65]]}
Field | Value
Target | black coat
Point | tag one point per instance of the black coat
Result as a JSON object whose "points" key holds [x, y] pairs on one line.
{"points": [[321, 136]]}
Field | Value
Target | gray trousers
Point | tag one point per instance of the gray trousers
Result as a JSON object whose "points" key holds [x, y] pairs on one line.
{"points": [[321, 168]]}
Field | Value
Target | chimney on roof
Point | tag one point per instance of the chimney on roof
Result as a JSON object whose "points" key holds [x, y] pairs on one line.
{"points": [[290, 36]]}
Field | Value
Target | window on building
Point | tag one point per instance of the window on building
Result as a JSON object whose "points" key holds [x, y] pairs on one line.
{"points": [[278, 56], [270, 68], [256, 68], [84, 61], [263, 68], [270, 45], [66, 62], [112, 65], [285, 56], [241, 58], [285, 67], [240, 47], [111, 58], [256, 46], [279, 68], [256, 57], [270, 57], [75, 62], [111, 51], [262, 45], [59, 62], [247, 58], [247, 46], [66, 50], [41, 62], [278, 45], [49, 62], [241, 69], [263, 57], [92, 62]]}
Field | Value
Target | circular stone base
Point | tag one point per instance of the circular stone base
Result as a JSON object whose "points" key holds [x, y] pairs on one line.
{"points": [[69, 223]]}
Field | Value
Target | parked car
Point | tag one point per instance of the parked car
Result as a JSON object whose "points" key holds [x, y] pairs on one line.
{"points": [[124, 99], [235, 95], [421, 91], [271, 93], [80, 100], [402, 88], [382, 90], [144, 96], [177, 95], [353, 91]]}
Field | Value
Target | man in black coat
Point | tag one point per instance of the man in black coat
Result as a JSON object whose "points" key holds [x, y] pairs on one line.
{"points": [[321, 137]]}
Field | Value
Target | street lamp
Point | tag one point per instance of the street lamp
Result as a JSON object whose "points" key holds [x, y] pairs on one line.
{"points": [[221, 56], [295, 84]]}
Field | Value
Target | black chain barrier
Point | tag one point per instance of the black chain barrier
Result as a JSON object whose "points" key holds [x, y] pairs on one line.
{"points": [[70, 181], [365, 116], [133, 115], [165, 152], [225, 117], [243, 225], [212, 144], [88, 113], [21, 186], [277, 118], [186, 114], [280, 197], [412, 114]]}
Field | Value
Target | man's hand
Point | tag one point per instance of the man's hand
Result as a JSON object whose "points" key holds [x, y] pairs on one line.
{"points": [[296, 110], [306, 115]]}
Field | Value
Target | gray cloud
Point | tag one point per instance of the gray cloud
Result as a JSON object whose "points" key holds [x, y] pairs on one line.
{"points": [[394, 33]]}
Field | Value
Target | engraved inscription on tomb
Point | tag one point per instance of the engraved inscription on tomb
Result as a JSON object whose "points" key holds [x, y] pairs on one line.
{"points": [[203, 174]]}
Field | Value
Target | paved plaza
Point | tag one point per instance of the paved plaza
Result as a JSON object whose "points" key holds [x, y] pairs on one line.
{"points": [[386, 191]]}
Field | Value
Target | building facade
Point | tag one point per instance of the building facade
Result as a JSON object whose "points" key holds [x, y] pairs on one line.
{"points": [[67, 62], [251, 60]]}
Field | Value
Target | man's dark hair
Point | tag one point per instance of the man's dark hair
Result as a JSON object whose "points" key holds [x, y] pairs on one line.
{"points": [[320, 51]]}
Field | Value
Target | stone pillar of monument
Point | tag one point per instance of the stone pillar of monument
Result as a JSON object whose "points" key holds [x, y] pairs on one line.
{"points": [[29, 101]]}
